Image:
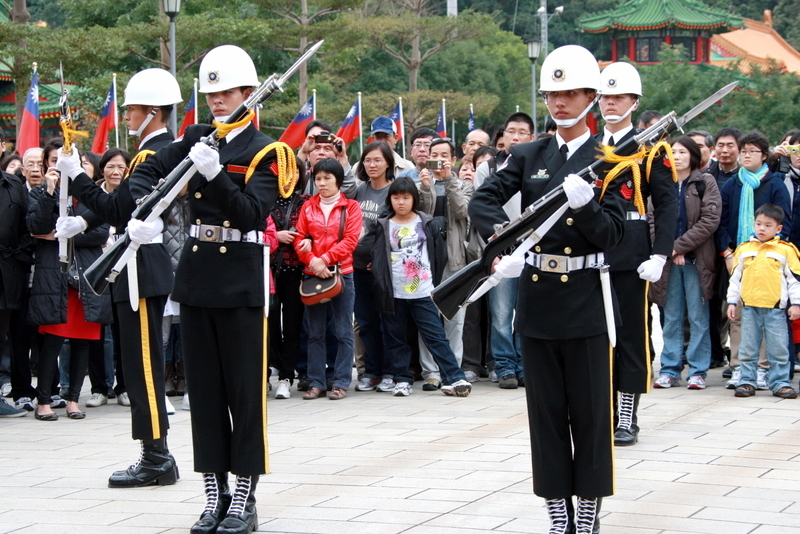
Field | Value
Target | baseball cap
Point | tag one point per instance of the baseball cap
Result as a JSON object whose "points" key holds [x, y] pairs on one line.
{"points": [[383, 125]]}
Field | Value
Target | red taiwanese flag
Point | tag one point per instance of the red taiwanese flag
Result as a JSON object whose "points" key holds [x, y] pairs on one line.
{"points": [[295, 133], [441, 124], [29, 126], [189, 116], [107, 122], [351, 127], [397, 118]]}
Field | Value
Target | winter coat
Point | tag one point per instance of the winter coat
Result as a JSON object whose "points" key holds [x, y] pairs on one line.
{"points": [[16, 243], [176, 229], [459, 193], [48, 302], [703, 216], [383, 291], [325, 236]]}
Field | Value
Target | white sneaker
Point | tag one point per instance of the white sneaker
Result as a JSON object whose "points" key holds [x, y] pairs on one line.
{"points": [[25, 403], [493, 377], [386, 385], [170, 407], [461, 388], [282, 391], [5, 389], [402, 389], [736, 376], [185, 404], [124, 399], [471, 376], [57, 402], [97, 399], [665, 381], [761, 379], [696, 382], [366, 384]]}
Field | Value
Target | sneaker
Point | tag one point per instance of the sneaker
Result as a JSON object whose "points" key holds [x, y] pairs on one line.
{"points": [[461, 388], [170, 407], [727, 372], [402, 389], [303, 383], [761, 379], [282, 391], [367, 384], [431, 384], [664, 382], [57, 402], [696, 382], [493, 377], [386, 385], [471, 376], [736, 376], [123, 399], [25, 403], [745, 390], [6, 410], [5, 390], [185, 405], [509, 381], [97, 399]]}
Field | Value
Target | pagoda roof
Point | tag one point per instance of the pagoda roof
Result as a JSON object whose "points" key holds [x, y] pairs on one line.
{"points": [[653, 14], [756, 45]]}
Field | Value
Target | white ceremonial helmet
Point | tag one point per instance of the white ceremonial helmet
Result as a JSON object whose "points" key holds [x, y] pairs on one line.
{"points": [[620, 78], [227, 67], [151, 87], [567, 68]]}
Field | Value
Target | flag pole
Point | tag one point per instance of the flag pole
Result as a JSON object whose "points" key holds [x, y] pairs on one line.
{"points": [[444, 116], [116, 114], [196, 103], [402, 125], [360, 131], [313, 104]]}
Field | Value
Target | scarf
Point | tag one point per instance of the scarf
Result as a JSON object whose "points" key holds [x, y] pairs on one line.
{"points": [[750, 182]]}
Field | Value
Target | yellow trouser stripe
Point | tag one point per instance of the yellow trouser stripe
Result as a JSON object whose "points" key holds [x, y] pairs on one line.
{"points": [[648, 361], [147, 367], [264, 393], [611, 414]]}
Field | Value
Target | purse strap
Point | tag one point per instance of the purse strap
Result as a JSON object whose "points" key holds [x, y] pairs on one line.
{"points": [[341, 222]]}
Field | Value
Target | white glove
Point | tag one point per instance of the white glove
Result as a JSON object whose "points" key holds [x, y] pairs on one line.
{"points": [[142, 232], [578, 191], [651, 269], [69, 164], [509, 266], [70, 226], [206, 159]]}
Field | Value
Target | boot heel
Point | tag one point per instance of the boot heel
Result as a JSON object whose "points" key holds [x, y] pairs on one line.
{"points": [[168, 478]]}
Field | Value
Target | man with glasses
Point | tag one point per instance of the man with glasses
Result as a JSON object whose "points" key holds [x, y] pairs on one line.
{"points": [[311, 152], [517, 129], [420, 151], [33, 167]]}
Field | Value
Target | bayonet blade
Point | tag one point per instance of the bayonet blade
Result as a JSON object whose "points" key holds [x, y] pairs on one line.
{"points": [[707, 103], [294, 68]]}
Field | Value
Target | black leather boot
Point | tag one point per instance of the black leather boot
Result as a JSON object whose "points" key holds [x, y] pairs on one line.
{"points": [[627, 431], [561, 512], [155, 466], [586, 516], [242, 517], [596, 527], [218, 500]]}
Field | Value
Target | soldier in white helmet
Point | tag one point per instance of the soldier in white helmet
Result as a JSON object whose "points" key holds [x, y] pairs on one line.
{"points": [[220, 286], [560, 310], [636, 261], [142, 288]]}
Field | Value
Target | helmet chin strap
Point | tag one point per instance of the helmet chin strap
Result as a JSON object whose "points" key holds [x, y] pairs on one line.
{"points": [[145, 122], [569, 123], [614, 119]]}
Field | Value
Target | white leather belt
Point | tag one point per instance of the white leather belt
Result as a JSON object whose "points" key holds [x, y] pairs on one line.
{"points": [[553, 263], [218, 234], [635, 216]]}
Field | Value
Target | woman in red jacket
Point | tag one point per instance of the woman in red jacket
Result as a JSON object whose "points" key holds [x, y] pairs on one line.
{"points": [[324, 217]]}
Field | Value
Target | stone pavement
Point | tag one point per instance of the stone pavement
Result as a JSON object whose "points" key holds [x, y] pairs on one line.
{"points": [[372, 463]]}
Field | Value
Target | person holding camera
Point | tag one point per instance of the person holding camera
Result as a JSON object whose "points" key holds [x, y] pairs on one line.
{"points": [[320, 143]]}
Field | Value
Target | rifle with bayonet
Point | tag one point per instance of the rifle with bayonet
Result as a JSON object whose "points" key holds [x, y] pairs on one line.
{"points": [[474, 280], [66, 248], [108, 266]]}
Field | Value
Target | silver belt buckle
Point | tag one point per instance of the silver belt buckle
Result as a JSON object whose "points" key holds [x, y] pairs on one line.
{"points": [[210, 233], [553, 264]]}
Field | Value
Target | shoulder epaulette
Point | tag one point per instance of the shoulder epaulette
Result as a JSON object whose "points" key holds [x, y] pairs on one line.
{"points": [[139, 158]]}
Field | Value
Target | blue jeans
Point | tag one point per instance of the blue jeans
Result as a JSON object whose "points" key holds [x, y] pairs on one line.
{"points": [[370, 322], [430, 328], [504, 341], [685, 292], [771, 324], [316, 318]]}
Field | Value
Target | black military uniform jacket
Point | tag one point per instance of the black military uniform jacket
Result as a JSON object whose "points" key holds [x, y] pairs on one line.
{"points": [[16, 243], [554, 305], [153, 264], [635, 246], [228, 274]]}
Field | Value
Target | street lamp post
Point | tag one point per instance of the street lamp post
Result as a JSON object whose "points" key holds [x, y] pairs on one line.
{"points": [[171, 9], [533, 54], [545, 18]]}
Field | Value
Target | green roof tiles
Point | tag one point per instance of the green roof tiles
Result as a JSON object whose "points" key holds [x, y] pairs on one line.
{"points": [[653, 14]]}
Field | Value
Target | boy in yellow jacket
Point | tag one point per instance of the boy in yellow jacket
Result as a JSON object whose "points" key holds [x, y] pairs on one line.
{"points": [[767, 279]]}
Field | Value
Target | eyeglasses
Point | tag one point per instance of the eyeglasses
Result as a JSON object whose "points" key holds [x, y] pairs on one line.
{"points": [[31, 165], [421, 145], [748, 152], [520, 133]]}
